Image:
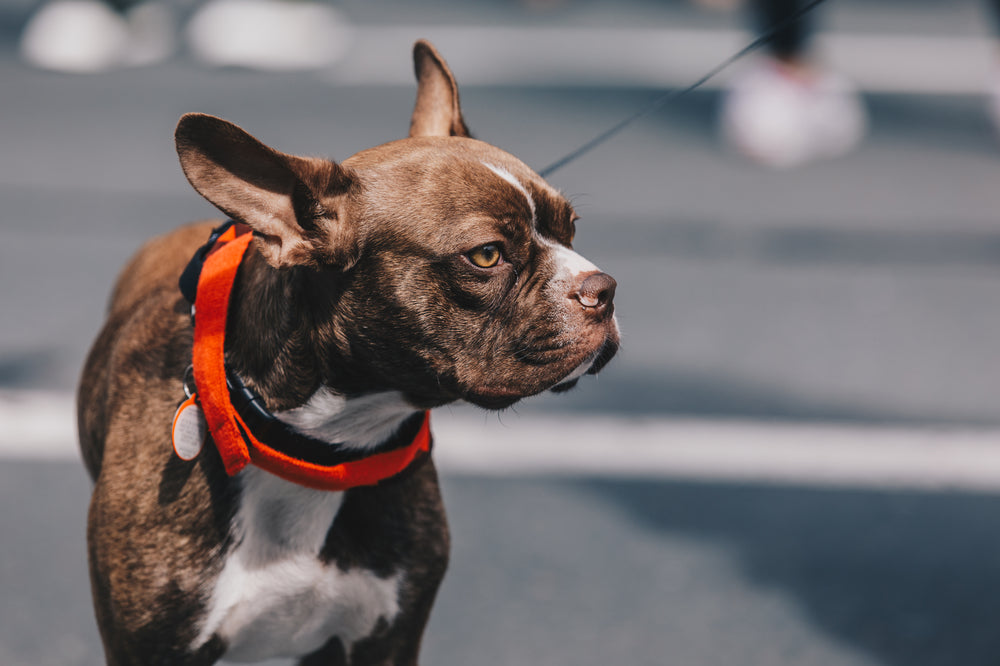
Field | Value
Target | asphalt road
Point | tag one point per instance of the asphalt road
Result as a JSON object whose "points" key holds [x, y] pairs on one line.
{"points": [[590, 571], [865, 289]]}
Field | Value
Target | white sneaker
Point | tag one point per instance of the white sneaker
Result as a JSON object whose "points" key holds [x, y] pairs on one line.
{"points": [[268, 34], [86, 36], [782, 119]]}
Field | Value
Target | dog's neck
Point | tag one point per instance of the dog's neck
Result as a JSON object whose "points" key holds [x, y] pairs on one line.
{"points": [[358, 423], [267, 334], [270, 348]]}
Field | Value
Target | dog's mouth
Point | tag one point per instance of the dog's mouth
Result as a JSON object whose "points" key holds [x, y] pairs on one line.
{"points": [[604, 356], [595, 365], [567, 385], [498, 396]]}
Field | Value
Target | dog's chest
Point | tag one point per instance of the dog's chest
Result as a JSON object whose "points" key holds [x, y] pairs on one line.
{"points": [[275, 596]]}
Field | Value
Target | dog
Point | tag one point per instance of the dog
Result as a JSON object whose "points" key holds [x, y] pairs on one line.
{"points": [[259, 436]]}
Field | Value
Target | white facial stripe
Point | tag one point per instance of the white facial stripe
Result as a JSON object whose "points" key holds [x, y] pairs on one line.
{"points": [[571, 261], [509, 177], [569, 264]]}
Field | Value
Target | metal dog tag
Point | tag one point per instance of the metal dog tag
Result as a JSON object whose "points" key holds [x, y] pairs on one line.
{"points": [[189, 430]]}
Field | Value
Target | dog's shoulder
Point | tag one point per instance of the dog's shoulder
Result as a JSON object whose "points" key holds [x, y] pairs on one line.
{"points": [[157, 264]]}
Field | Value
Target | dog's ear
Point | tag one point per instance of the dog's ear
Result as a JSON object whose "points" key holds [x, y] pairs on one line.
{"points": [[294, 205], [437, 112]]}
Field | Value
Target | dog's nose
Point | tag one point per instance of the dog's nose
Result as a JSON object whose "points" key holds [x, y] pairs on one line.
{"points": [[597, 291]]}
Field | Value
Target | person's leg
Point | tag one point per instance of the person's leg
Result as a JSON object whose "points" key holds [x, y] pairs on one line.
{"points": [[122, 6], [785, 109], [994, 9], [791, 42]]}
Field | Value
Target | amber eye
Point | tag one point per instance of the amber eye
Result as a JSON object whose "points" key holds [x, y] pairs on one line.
{"points": [[486, 256]]}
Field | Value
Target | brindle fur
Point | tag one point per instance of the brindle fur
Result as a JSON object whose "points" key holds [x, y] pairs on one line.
{"points": [[338, 246]]}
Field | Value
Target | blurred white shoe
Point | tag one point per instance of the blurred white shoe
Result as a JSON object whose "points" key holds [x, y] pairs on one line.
{"points": [[268, 34], [86, 36], [781, 118]]}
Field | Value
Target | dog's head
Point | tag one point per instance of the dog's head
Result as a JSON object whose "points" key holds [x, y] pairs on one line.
{"points": [[436, 265]]}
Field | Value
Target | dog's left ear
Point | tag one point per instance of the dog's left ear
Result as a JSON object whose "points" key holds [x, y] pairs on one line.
{"points": [[295, 205], [437, 111]]}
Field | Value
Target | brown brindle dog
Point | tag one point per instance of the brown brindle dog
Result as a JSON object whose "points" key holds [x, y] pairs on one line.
{"points": [[422, 272]]}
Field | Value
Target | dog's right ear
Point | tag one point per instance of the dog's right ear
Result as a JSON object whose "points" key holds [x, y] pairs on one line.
{"points": [[437, 111], [294, 205]]}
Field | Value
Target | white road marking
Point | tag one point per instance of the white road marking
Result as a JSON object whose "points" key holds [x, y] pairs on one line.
{"points": [[758, 452], [40, 426], [657, 57]]}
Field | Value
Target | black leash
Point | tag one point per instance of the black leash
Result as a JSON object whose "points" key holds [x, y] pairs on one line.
{"points": [[671, 95]]}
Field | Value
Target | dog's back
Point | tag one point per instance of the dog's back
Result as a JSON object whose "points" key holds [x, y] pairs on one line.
{"points": [[148, 281]]}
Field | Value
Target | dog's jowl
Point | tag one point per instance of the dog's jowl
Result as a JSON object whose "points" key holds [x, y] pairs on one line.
{"points": [[255, 412]]}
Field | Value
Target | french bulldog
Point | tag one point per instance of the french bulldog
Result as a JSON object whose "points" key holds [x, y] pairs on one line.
{"points": [[259, 438]]}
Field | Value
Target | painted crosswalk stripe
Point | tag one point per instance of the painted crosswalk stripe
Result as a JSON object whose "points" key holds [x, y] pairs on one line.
{"points": [[41, 426]]}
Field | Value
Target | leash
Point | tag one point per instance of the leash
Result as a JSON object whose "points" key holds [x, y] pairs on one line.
{"points": [[676, 93]]}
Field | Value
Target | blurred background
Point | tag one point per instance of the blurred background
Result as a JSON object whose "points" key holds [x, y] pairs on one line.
{"points": [[793, 460]]}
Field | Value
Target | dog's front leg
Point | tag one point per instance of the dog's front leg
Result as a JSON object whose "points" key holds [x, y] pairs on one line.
{"points": [[414, 506]]}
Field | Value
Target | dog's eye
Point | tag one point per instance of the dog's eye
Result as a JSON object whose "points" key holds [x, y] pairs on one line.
{"points": [[486, 256]]}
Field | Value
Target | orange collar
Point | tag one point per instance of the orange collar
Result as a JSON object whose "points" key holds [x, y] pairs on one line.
{"points": [[235, 441]]}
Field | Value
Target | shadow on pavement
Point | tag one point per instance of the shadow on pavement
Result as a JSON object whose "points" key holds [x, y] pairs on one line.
{"points": [[912, 579]]}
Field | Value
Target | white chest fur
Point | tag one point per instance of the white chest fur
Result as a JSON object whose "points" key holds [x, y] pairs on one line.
{"points": [[274, 597]]}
